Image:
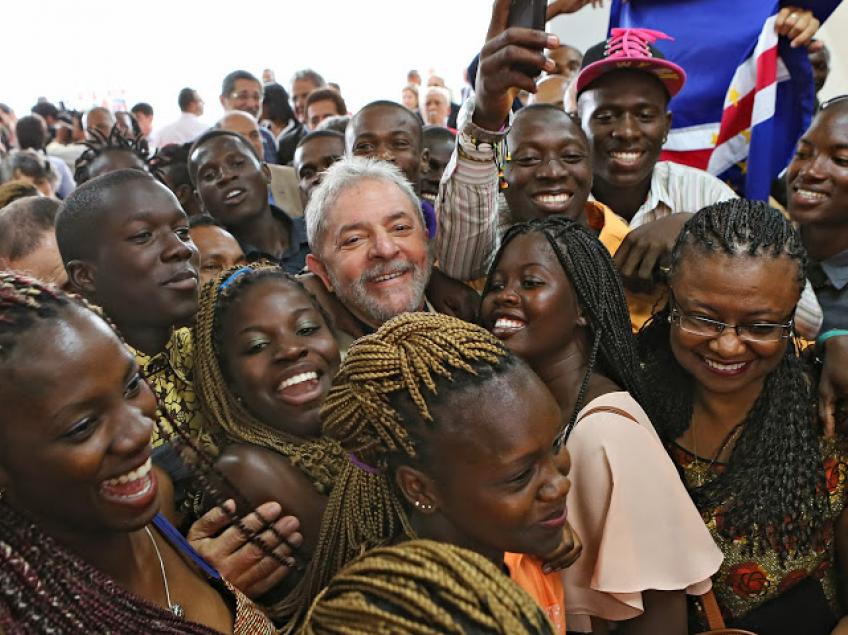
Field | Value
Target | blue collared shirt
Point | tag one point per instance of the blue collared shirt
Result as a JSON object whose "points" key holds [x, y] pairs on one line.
{"points": [[830, 282], [293, 260]]}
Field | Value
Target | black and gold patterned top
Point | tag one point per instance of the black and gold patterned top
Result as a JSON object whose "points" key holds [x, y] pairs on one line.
{"points": [[170, 375], [746, 581]]}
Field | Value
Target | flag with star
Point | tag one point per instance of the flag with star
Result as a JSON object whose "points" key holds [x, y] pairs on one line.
{"points": [[748, 97]]}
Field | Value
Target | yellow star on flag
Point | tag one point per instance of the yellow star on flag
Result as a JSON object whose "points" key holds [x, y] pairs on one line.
{"points": [[733, 96]]}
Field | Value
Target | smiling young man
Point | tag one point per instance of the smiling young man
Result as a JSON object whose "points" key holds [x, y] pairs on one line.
{"points": [[639, 204], [817, 193], [232, 184], [124, 240]]}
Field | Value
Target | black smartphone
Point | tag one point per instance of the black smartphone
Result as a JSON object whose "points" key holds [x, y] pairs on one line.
{"points": [[529, 14]]}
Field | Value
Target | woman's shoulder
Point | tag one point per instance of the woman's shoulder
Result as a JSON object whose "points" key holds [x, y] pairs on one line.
{"points": [[246, 459], [615, 411], [615, 425]]}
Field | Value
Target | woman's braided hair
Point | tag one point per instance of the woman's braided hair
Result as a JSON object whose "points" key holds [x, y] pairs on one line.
{"points": [[773, 490], [414, 358], [423, 587], [595, 279], [320, 459], [44, 587]]}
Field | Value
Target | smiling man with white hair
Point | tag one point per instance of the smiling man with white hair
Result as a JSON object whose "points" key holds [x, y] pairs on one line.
{"points": [[369, 242]]}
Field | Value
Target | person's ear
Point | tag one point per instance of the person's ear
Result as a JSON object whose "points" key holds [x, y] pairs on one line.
{"points": [[314, 264], [417, 488], [266, 171], [425, 161], [82, 277], [184, 195]]}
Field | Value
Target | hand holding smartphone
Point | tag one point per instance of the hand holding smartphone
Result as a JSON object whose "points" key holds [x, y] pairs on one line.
{"points": [[529, 14]]}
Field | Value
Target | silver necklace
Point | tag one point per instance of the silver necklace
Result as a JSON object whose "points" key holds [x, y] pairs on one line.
{"points": [[175, 608]]}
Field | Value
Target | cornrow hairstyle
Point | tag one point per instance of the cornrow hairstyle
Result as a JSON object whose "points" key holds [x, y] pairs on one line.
{"points": [[595, 279], [102, 144], [423, 587], [44, 587], [771, 491], [377, 409], [321, 459]]}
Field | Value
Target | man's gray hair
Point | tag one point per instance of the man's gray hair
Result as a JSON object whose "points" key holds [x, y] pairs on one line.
{"points": [[340, 177], [309, 75]]}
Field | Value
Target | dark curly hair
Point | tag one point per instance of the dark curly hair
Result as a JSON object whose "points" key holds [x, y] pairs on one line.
{"points": [[772, 489], [592, 273], [114, 142]]}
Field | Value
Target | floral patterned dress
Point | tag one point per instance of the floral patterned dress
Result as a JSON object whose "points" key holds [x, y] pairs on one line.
{"points": [[744, 582]]}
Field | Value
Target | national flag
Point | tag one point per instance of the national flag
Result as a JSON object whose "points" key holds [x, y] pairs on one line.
{"points": [[749, 95]]}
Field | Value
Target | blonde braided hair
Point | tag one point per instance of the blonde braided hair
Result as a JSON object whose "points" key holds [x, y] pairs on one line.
{"points": [[320, 459], [422, 587], [408, 355]]}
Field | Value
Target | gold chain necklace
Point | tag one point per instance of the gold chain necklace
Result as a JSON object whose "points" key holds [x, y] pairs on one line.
{"points": [[702, 474]]}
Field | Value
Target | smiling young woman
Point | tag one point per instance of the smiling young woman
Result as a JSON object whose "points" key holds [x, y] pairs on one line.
{"points": [[554, 298], [451, 438], [82, 545], [737, 408], [264, 361]]}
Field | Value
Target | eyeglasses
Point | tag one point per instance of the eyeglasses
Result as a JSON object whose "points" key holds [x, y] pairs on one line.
{"points": [[758, 332], [245, 95]]}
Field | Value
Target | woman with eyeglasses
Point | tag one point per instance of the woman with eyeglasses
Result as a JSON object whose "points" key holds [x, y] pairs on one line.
{"points": [[736, 407]]}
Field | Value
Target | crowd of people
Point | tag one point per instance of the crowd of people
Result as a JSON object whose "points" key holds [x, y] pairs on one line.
{"points": [[427, 367]]}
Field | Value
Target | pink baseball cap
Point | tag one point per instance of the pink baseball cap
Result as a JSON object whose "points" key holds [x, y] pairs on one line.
{"points": [[631, 49]]}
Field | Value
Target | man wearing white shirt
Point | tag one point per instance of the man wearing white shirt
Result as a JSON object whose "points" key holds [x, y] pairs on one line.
{"points": [[188, 127]]}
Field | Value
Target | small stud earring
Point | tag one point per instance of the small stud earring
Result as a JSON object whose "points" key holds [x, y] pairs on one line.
{"points": [[424, 507]]}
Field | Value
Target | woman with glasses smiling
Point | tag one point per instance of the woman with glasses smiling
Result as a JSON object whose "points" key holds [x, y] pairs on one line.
{"points": [[738, 410]]}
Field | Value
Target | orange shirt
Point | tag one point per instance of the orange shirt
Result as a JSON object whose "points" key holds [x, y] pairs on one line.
{"points": [[545, 588], [613, 229]]}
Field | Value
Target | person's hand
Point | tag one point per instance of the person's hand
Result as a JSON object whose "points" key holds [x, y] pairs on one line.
{"points": [[565, 554], [570, 6], [241, 562], [646, 247], [452, 297], [833, 383], [799, 25], [505, 60]]}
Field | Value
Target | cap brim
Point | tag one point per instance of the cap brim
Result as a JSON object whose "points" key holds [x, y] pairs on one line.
{"points": [[670, 74]]}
